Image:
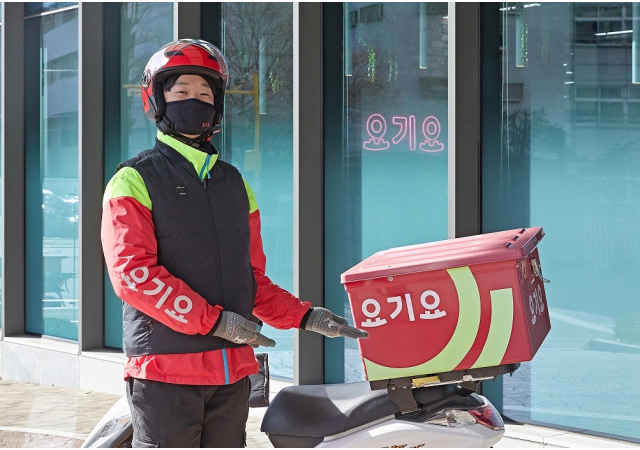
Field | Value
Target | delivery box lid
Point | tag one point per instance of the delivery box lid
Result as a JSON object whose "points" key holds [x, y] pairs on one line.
{"points": [[483, 248]]}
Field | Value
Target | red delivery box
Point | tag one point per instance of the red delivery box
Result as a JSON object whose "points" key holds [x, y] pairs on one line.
{"points": [[459, 304]]}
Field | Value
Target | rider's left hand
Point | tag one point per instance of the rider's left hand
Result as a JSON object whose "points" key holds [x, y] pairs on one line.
{"points": [[328, 324]]}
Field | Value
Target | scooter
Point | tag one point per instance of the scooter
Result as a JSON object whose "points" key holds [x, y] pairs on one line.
{"points": [[440, 410]]}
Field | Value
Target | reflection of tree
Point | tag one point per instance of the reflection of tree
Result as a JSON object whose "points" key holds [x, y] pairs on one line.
{"points": [[367, 61], [523, 46], [381, 44], [145, 28], [246, 24], [374, 54], [142, 36], [547, 140]]}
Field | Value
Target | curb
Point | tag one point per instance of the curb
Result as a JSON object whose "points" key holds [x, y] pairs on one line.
{"points": [[559, 438]]}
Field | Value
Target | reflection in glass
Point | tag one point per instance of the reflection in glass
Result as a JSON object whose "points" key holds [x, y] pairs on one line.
{"points": [[569, 161], [257, 135], [52, 297], [144, 28], [386, 181], [33, 8]]}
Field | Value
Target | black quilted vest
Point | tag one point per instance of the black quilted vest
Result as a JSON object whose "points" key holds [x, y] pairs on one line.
{"points": [[202, 230]]}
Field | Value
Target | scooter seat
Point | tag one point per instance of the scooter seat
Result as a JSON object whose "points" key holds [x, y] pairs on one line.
{"points": [[326, 410]]}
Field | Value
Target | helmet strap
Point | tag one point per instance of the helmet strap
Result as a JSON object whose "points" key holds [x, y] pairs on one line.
{"points": [[200, 143]]}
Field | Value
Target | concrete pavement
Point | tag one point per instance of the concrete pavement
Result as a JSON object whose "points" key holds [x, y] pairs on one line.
{"points": [[38, 416], [47, 416]]}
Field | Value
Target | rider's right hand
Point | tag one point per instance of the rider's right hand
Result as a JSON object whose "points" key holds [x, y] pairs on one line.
{"points": [[235, 328]]}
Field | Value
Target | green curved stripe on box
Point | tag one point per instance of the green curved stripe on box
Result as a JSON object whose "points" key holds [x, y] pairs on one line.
{"points": [[459, 344], [500, 329]]}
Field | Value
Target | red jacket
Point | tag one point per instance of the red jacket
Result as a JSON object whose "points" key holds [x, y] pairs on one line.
{"points": [[128, 241]]}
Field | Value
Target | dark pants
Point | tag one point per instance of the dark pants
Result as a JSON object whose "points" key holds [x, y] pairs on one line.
{"points": [[175, 415]]}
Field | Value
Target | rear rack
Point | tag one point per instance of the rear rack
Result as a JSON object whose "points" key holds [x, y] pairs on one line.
{"points": [[399, 389]]}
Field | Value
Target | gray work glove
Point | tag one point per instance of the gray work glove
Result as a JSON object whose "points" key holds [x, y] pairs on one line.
{"points": [[325, 322], [235, 328]]}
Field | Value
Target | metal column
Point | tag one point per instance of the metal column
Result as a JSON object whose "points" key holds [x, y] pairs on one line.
{"points": [[90, 163], [465, 186], [186, 20], [308, 184], [13, 170]]}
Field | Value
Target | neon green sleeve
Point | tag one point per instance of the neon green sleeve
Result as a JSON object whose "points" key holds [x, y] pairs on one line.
{"points": [[253, 203], [127, 182]]}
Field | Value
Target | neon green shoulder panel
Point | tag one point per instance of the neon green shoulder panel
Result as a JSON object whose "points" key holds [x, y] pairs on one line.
{"points": [[127, 182], [195, 157], [253, 203]]}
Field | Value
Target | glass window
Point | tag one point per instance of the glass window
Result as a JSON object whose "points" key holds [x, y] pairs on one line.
{"points": [[52, 174], [611, 92], [144, 28], [633, 92], [586, 92], [589, 252], [386, 176], [32, 8], [257, 136], [587, 111]]}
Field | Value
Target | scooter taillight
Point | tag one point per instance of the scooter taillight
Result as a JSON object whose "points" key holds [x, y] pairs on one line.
{"points": [[453, 418], [485, 415], [489, 417]]}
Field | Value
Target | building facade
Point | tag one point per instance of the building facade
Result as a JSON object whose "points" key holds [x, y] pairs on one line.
{"points": [[360, 127]]}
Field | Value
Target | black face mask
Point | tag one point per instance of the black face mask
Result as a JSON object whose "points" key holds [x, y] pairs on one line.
{"points": [[191, 116]]}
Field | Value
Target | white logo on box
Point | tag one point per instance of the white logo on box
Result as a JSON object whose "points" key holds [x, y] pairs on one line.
{"points": [[431, 310]]}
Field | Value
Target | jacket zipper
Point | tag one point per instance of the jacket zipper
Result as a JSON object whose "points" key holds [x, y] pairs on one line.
{"points": [[215, 229], [192, 170], [205, 166], [215, 237]]}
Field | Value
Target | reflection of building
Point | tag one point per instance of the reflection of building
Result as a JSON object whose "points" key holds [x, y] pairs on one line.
{"points": [[536, 127], [604, 93], [568, 162]]}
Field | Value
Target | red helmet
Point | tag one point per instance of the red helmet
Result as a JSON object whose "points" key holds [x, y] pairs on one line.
{"points": [[184, 56]]}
